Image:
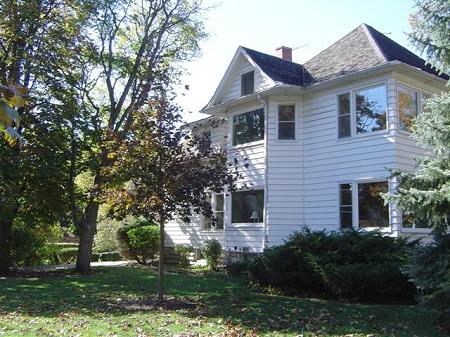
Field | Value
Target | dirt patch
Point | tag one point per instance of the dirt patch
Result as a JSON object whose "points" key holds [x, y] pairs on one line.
{"points": [[151, 303]]}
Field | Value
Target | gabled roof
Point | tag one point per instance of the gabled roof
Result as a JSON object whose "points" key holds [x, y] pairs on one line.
{"points": [[279, 70], [362, 48]]}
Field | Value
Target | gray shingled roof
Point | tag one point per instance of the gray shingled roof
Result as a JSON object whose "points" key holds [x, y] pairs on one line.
{"points": [[361, 49], [278, 69]]}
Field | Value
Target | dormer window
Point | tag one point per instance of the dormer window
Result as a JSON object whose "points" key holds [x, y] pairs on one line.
{"points": [[247, 83]]}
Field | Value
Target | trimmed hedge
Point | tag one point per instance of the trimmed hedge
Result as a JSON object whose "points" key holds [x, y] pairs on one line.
{"points": [[139, 241], [353, 265]]}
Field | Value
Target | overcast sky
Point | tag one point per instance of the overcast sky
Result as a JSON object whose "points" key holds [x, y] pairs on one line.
{"points": [[311, 25]]}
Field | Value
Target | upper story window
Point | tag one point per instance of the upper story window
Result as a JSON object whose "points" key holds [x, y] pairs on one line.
{"points": [[407, 100], [286, 122], [247, 83], [370, 107], [247, 206], [248, 127], [364, 108]]}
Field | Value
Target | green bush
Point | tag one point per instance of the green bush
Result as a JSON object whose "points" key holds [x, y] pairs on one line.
{"points": [[33, 246], [139, 241], [354, 265], [67, 255], [429, 269], [183, 252], [238, 268], [212, 250]]}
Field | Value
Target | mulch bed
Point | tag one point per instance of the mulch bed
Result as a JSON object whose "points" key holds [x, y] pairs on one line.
{"points": [[443, 322]]}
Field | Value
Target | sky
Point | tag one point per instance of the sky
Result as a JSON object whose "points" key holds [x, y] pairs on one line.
{"points": [[263, 25]]}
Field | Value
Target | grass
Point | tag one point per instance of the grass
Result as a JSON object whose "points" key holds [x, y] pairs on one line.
{"points": [[72, 305]]}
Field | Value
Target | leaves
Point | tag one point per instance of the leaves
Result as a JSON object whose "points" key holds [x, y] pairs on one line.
{"points": [[12, 97]]}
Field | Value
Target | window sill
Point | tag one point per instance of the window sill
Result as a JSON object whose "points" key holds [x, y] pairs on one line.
{"points": [[246, 145], [247, 225], [212, 230], [364, 135]]}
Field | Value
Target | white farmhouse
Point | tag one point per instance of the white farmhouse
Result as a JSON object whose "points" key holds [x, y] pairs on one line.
{"points": [[318, 139]]}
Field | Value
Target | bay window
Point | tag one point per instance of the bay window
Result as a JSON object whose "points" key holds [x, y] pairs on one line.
{"points": [[372, 212], [362, 111], [407, 107]]}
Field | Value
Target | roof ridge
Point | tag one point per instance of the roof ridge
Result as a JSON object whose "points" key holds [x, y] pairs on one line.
{"points": [[276, 57], [331, 45], [367, 29]]}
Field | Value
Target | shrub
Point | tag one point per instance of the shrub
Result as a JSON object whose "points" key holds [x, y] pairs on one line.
{"points": [[139, 241], [67, 255], [238, 268], [32, 246], [212, 250], [183, 252], [429, 269], [354, 265]]}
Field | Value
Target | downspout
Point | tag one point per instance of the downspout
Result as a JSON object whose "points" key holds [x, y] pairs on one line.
{"points": [[266, 141]]}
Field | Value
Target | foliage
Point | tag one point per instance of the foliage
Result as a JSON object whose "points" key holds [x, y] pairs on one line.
{"points": [[354, 265], [161, 171], [238, 268], [65, 304], [430, 33], [131, 43], [105, 239], [139, 241], [212, 250], [429, 269], [424, 195], [183, 252], [35, 246], [12, 98]]}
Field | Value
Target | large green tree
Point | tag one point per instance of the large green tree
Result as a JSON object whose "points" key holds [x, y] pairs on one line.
{"points": [[40, 41], [131, 41]]}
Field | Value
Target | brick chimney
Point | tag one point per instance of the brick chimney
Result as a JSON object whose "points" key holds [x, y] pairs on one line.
{"points": [[285, 53]]}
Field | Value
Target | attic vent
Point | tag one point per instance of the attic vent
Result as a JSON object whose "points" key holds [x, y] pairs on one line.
{"points": [[285, 53]]}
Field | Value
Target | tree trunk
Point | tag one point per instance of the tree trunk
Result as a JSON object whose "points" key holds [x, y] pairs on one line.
{"points": [[5, 256], [161, 263], [87, 229]]}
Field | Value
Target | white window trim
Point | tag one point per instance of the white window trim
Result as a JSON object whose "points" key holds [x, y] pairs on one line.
{"points": [[352, 91], [296, 121], [231, 128]]}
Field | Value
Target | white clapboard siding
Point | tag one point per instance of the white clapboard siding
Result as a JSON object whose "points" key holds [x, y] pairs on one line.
{"points": [[232, 88]]}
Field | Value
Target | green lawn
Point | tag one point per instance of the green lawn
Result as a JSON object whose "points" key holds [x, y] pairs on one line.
{"points": [[71, 305]]}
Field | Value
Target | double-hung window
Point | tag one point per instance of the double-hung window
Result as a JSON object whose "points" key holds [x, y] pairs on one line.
{"points": [[248, 127], [286, 122], [247, 83], [346, 205], [362, 111], [216, 222]]}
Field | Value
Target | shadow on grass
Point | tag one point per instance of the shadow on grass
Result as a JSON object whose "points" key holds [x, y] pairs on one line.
{"points": [[222, 298]]}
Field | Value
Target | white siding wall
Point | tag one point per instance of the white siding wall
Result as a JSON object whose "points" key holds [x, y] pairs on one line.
{"points": [[329, 161], [249, 237], [284, 175], [232, 88]]}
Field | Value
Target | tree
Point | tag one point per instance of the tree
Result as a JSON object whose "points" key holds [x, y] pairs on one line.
{"points": [[161, 172], [11, 99], [424, 194], [130, 42], [39, 44]]}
